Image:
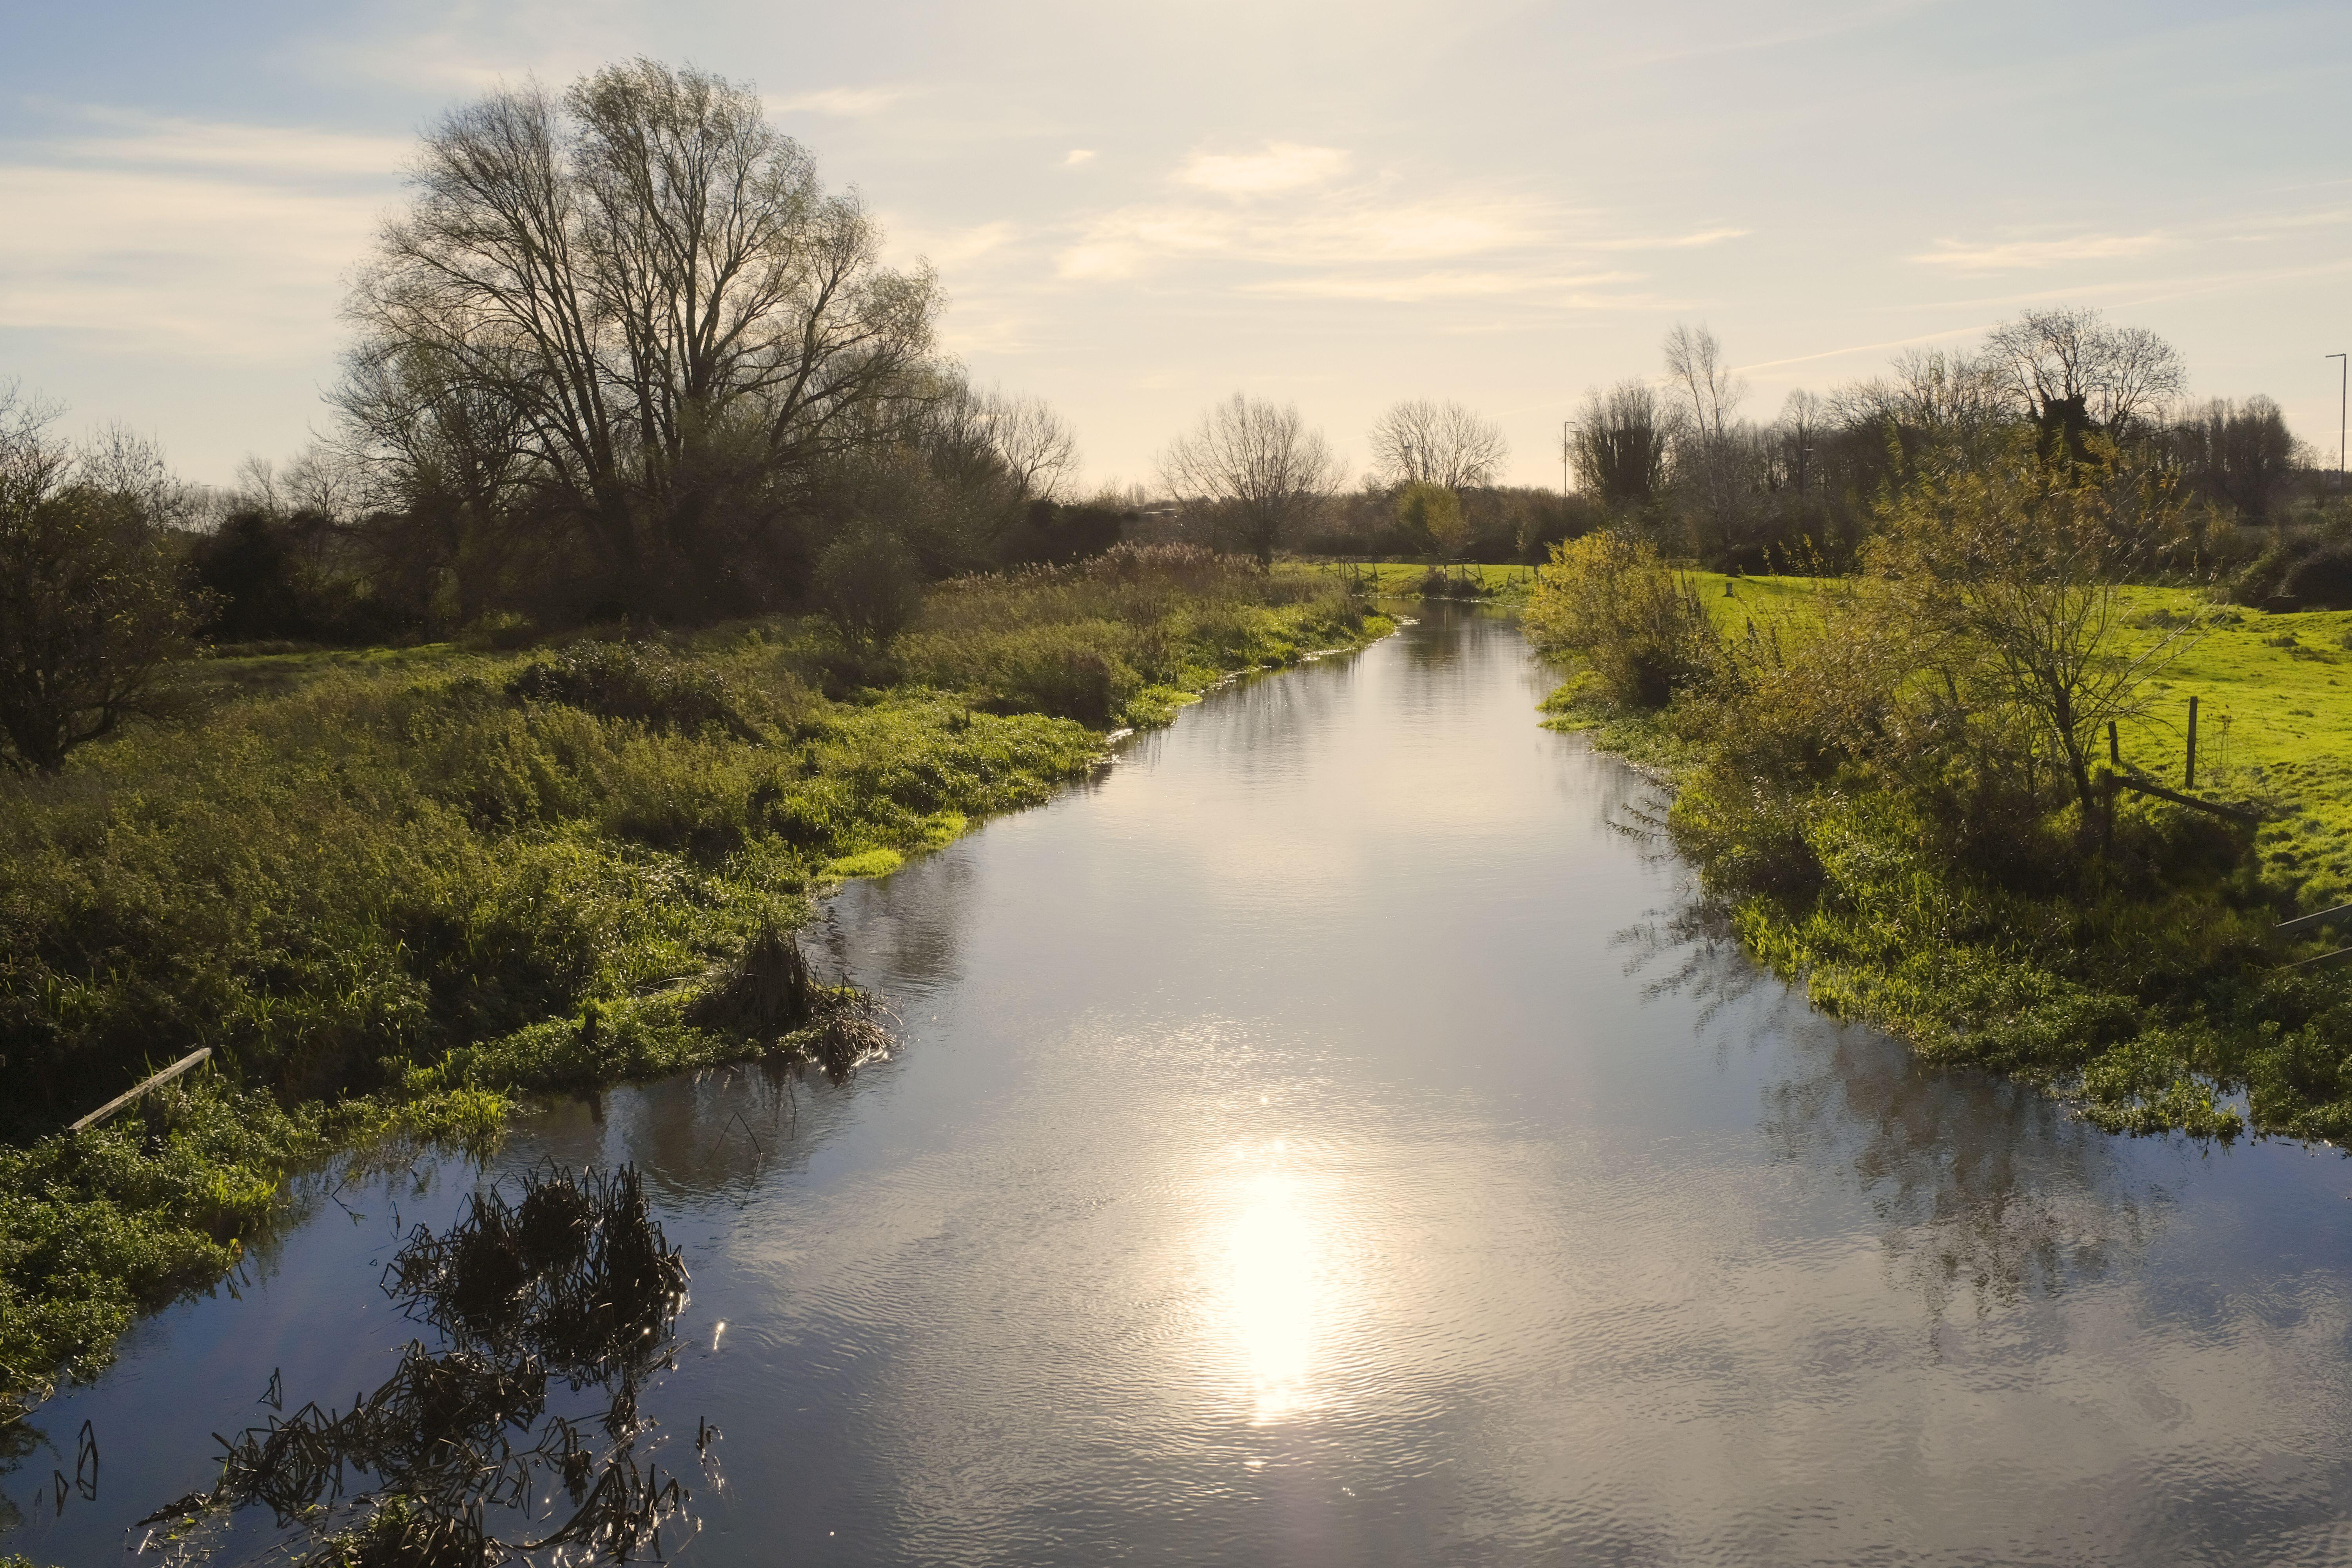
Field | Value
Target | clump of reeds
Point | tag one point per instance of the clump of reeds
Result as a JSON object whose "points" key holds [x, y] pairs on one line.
{"points": [[767, 992], [770, 993], [575, 1272]]}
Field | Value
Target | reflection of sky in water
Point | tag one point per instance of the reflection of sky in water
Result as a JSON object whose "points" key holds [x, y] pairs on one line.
{"points": [[1323, 1139]]}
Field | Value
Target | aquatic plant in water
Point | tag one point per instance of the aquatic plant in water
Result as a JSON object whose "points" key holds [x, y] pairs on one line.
{"points": [[570, 1280]]}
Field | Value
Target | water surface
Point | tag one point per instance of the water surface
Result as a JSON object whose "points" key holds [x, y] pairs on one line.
{"points": [[1333, 1138]]}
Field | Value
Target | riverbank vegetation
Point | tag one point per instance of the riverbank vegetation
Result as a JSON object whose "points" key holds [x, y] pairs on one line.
{"points": [[391, 889], [1899, 777]]}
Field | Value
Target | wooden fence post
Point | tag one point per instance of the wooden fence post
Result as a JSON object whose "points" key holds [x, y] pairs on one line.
{"points": [[2191, 781]]}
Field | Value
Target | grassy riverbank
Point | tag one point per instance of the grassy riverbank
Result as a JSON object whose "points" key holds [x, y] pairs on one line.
{"points": [[391, 889], [2135, 973]]}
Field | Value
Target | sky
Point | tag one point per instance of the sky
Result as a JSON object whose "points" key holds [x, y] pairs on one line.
{"points": [[1139, 208]]}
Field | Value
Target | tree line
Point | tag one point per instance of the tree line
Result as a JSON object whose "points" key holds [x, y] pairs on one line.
{"points": [[1675, 460]]}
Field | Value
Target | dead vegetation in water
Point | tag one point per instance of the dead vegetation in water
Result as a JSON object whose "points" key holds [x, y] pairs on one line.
{"points": [[770, 993], [569, 1281]]}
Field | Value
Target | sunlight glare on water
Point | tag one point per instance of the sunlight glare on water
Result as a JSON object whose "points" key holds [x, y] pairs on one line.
{"points": [[1277, 1282]]}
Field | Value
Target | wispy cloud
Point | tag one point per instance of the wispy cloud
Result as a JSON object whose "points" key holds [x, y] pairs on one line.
{"points": [[963, 246], [1281, 166], [839, 103], [1694, 241], [1346, 229], [274, 149], [1417, 287], [1077, 155], [2021, 254], [182, 263]]}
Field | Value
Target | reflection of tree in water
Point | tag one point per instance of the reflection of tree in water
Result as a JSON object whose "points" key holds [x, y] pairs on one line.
{"points": [[1984, 1188], [571, 1283]]}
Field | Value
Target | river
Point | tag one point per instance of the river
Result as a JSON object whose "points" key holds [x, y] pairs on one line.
{"points": [[1334, 1136]]}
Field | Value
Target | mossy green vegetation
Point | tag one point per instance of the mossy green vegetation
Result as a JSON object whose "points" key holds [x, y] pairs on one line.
{"points": [[1889, 828], [393, 891]]}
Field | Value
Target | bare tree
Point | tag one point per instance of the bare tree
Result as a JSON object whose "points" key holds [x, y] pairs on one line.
{"points": [[1258, 464], [1709, 393], [1016, 441], [1424, 442], [446, 457], [1037, 445], [1798, 435], [1618, 443], [684, 323], [2069, 369], [1714, 457], [1933, 393], [91, 611]]}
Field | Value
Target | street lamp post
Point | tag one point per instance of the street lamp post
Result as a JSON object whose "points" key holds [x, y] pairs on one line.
{"points": [[2343, 400]]}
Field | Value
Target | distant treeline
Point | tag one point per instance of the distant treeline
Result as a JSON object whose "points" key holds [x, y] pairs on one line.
{"points": [[1674, 461], [1670, 460]]}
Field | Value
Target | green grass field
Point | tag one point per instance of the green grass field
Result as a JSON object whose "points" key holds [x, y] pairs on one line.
{"points": [[2274, 721], [1402, 579]]}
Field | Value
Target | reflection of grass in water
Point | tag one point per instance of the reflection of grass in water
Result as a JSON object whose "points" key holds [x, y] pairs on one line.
{"points": [[572, 1279]]}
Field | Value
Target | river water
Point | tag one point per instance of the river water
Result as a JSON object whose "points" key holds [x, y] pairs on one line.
{"points": [[1333, 1137]]}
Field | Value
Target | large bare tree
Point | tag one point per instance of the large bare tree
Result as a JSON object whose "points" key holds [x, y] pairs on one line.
{"points": [[682, 322], [1424, 442], [2069, 368], [1257, 465]]}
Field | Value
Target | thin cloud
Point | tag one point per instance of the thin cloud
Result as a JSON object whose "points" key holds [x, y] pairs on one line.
{"points": [[2022, 255], [1861, 349], [839, 103], [225, 268], [1338, 229], [1077, 155], [1830, 27], [1282, 167], [971, 244], [274, 149], [1702, 237], [1411, 290]]}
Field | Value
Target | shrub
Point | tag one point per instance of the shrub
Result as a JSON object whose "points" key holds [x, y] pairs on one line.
{"points": [[2321, 580], [866, 581], [1611, 599]]}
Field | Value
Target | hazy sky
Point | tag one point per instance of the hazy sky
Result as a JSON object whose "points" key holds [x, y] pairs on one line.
{"points": [[1136, 210]]}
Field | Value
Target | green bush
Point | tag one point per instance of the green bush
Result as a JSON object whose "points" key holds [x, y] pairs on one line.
{"points": [[1610, 600]]}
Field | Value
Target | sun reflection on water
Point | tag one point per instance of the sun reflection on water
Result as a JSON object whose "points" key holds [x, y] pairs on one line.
{"points": [[1277, 1281]]}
